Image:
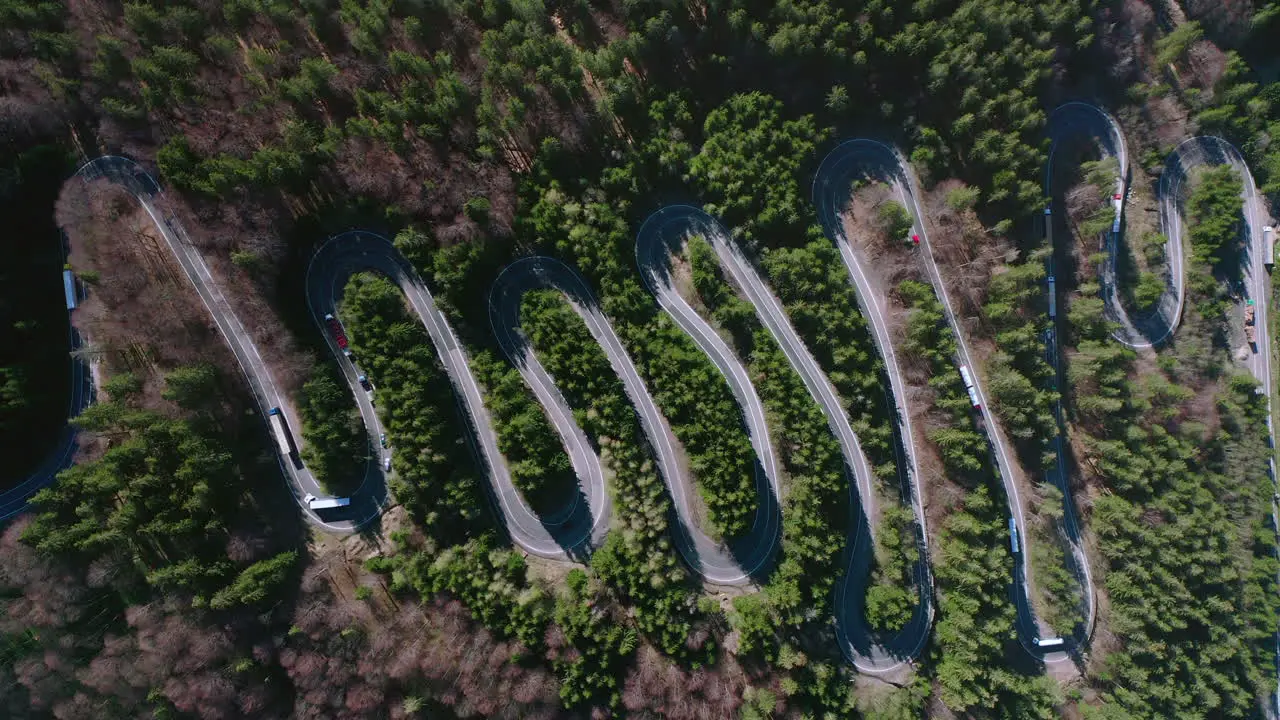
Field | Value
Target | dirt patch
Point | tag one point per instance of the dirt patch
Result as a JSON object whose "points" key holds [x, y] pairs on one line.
{"points": [[290, 364], [966, 255], [339, 561], [141, 314]]}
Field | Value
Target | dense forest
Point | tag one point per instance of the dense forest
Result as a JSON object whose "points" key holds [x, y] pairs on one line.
{"points": [[34, 366], [166, 573]]}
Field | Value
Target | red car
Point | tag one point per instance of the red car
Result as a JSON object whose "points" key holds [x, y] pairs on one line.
{"points": [[915, 239]]}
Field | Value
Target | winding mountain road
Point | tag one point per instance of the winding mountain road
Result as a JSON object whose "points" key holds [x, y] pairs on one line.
{"points": [[16, 500], [1081, 120], [862, 648], [660, 236], [832, 187], [832, 192], [567, 533], [715, 563], [368, 502], [572, 533]]}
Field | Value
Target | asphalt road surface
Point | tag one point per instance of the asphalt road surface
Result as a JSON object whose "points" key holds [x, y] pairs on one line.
{"points": [[662, 235], [868, 653], [15, 500], [1077, 120], [559, 537], [888, 162], [367, 503], [832, 191], [714, 562]]}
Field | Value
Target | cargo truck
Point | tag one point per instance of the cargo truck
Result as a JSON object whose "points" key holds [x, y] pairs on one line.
{"points": [[339, 336], [69, 288], [316, 503], [1250, 329], [284, 440], [969, 387]]}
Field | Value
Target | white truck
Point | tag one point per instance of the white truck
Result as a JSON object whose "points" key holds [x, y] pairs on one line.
{"points": [[328, 503], [969, 387]]}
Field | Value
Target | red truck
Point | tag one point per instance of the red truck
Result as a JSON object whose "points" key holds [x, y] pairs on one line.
{"points": [[339, 336]]}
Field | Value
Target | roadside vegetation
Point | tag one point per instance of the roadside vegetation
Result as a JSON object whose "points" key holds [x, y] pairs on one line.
{"points": [[509, 128], [1021, 384], [638, 559], [815, 509], [1019, 378], [1183, 527], [1216, 241], [539, 466], [435, 473], [335, 443], [1184, 522], [687, 387], [35, 368]]}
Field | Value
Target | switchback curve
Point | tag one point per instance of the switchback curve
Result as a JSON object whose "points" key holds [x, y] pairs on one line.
{"points": [[565, 536], [1082, 119], [712, 561], [658, 238], [857, 642], [16, 499], [369, 502], [832, 188], [828, 189]]}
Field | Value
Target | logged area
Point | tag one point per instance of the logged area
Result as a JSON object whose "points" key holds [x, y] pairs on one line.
{"points": [[638, 358]]}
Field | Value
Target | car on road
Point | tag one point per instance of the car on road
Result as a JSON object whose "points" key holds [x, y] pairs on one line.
{"points": [[382, 439], [915, 239], [386, 464]]}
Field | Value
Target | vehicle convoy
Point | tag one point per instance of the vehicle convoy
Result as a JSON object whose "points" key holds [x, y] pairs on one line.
{"points": [[339, 336]]}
